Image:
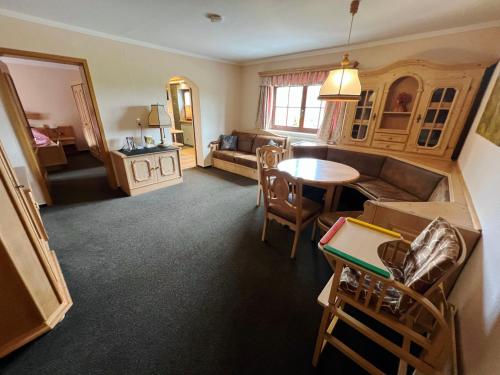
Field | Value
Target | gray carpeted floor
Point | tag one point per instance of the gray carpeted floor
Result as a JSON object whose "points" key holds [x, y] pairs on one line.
{"points": [[177, 281]]}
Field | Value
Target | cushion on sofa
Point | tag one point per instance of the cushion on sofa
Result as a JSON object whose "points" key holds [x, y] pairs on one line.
{"points": [[365, 164], [384, 191], [317, 152], [262, 140], [226, 155], [245, 141], [415, 180], [247, 160], [228, 142]]}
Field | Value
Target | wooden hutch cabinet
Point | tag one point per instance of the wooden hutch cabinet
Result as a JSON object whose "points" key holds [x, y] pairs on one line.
{"points": [[413, 106]]}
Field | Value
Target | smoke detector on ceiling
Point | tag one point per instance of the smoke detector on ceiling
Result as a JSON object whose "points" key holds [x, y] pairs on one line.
{"points": [[214, 17]]}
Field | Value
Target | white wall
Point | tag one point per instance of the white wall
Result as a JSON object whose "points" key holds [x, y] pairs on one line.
{"points": [[466, 47], [128, 78], [46, 89], [477, 292]]}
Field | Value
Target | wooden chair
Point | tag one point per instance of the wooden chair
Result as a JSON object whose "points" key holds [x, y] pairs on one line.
{"points": [[284, 203], [427, 321], [267, 157]]}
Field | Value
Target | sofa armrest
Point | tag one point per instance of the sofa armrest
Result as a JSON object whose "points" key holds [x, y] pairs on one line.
{"points": [[309, 151], [214, 145]]}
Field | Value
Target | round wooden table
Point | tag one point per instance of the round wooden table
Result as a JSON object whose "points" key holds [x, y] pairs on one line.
{"points": [[320, 173]]}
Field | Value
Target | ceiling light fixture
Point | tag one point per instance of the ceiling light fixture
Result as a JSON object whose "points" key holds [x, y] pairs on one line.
{"points": [[343, 84], [214, 17]]}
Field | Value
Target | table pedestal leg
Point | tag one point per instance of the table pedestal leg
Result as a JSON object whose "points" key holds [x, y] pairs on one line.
{"points": [[330, 191]]}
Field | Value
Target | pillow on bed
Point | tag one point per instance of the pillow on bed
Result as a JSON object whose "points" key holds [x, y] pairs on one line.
{"points": [[40, 138]]}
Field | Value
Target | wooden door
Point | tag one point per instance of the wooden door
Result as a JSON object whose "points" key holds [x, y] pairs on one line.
{"points": [[86, 118], [361, 118], [23, 132], [439, 116], [34, 293], [168, 166], [141, 170]]}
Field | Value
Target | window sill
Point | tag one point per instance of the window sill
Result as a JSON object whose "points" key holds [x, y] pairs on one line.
{"points": [[297, 137]]}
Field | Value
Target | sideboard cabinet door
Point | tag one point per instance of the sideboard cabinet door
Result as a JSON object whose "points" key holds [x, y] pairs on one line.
{"points": [[168, 166], [141, 171]]}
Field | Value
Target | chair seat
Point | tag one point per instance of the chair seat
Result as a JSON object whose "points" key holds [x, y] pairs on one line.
{"points": [[384, 191], [327, 219], [349, 281], [309, 208]]}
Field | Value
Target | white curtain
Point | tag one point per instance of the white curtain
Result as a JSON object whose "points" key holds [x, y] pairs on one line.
{"points": [[333, 120]]}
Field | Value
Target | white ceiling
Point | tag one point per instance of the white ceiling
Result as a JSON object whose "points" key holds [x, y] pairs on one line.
{"points": [[255, 29]]}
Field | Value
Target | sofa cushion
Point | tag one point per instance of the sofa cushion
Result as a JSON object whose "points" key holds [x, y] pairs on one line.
{"points": [[226, 155], [228, 142], [309, 208], [365, 164], [247, 160], [415, 180], [262, 140], [245, 141], [317, 151], [384, 191]]}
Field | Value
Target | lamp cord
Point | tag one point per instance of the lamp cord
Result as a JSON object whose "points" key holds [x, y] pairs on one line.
{"points": [[354, 10]]}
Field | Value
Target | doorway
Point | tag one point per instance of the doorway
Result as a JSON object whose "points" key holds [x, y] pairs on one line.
{"points": [[184, 134], [58, 125]]}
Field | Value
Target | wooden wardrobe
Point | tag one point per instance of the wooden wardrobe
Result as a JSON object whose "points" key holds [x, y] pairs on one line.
{"points": [[413, 106], [33, 293]]}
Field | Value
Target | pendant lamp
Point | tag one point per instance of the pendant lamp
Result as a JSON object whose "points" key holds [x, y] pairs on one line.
{"points": [[343, 84]]}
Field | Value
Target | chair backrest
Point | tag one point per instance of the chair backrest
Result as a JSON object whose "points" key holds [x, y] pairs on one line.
{"points": [[283, 192], [269, 156], [434, 256]]}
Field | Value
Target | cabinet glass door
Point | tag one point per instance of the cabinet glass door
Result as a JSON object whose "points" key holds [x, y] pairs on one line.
{"points": [[436, 115], [363, 115]]}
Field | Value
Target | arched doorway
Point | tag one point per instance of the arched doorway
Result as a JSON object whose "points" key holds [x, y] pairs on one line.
{"points": [[184, 108]]}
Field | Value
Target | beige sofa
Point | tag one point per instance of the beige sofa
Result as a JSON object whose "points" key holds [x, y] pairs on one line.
{"points": [[243, 160]]}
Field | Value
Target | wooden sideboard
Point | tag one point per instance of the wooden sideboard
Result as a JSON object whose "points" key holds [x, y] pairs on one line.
{"points": [[146, 172], [33, 293]]}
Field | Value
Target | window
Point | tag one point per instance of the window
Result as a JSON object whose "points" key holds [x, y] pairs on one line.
{"points": [[185, 104], [297, 108]]}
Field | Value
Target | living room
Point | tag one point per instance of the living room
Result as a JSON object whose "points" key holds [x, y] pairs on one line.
{"points": [[175, 277]]}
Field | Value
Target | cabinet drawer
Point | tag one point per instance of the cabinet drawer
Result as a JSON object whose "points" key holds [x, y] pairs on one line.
{"points": [[389, 145], [390, 137]]}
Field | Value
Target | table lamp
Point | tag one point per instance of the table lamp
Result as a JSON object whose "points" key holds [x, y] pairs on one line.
{"points": [[159, 118]]}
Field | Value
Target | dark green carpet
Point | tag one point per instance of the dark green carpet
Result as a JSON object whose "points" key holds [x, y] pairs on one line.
{"points": [[177, 281]]}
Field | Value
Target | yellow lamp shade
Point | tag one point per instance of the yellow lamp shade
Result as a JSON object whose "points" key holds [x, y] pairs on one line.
{"points": [[158, 116], [341, 85]]}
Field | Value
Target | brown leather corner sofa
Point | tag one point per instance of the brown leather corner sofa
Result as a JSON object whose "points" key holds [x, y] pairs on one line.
{"points": [[383, 178], [243, 160]]}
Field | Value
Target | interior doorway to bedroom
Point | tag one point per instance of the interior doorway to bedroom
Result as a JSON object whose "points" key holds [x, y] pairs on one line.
{"points": [[180, 91], [57, 127]]}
